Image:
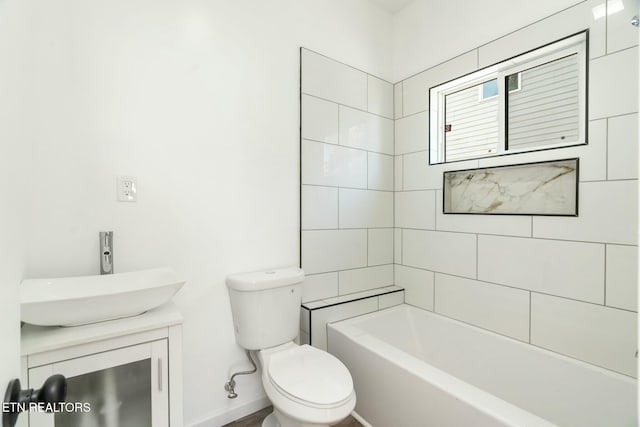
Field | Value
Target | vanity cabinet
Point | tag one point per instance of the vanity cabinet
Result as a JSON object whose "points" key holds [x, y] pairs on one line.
{"points": [[126, 372]]}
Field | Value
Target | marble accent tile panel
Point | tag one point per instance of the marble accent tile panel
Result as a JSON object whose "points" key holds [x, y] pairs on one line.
{"points": [[415, 209], [397, 245], [419, 175], [363, 279], [390, 300], [397, 179], [497, 308], [550, 29], [397, 100], [380, 98], [319, 286], [593, 156], [319, 207], [412, 133], [366, 131], [439, 251], [622, 277], [599, 335], [548, 188], [415, 90], [506, 225], [569, 269], [620, 34], [418, 286], [332, 80], [622, 158], [608, 213], [332, 165], [380, 172], [332, 250], [380, 243], [613, 84], [321, 317], [365, 208], [319, 119]]}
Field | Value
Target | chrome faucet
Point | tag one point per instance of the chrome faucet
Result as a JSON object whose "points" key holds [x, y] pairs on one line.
{"points": [[106, 252]]}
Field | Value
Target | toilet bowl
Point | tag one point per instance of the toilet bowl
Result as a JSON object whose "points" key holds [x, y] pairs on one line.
{"points": [[307, 386]]}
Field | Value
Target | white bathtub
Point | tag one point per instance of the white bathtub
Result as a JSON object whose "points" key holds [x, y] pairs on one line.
{"points": [[413, 368]]}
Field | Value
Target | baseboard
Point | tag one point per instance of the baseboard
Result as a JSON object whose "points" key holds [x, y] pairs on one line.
{"points": [[234, 414], [361, 420]]}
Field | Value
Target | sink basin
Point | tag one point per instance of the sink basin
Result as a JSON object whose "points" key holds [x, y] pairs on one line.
{"points": [[72, 301]]}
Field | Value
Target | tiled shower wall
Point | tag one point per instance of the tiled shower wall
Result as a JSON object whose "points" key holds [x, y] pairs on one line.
{"points": [[347, 179], [562, 283]]}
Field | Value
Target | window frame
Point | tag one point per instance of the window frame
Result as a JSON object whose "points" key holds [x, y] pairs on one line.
{"points": [[573, 44]]}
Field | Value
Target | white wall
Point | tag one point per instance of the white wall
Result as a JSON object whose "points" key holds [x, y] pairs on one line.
{"points": [[567, 284], [199, 100], [427, 32], [14, 179]]}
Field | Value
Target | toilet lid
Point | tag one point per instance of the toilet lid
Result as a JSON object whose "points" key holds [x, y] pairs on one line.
{"points": [[311, 375]]}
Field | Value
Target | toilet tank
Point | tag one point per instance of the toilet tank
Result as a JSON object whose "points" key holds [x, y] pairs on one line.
{"points": [[266, 306]]}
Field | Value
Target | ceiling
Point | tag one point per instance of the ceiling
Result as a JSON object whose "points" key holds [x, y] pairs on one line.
{"points": [[392, 6]]}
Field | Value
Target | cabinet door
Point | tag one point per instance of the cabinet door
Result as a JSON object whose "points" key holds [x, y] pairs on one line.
{"points": [[117, 388]]}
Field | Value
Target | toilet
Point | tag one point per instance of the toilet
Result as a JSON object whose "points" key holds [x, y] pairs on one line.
{"points": [[307, 386]]}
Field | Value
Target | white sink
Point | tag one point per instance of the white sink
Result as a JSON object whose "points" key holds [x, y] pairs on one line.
{"points": [[72, 301]]}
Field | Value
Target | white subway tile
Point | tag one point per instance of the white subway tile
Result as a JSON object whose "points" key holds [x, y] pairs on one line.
{"points": [[363, 279], [397, 246], [380, 172], [415, 209], [329, 79], [620, 34], [569, 269], [550, 29], [305, 320], [319, 119], [507, 225], [365, 208], [613, 84], [420, 175], [380, 244], [415, 93], [397, 100], [593, 156], [319, 207], [596, 334], [332, 165], [390, 300], [608, 212], [303, 338], [412, 133], [322, 316], [622, 277], [498, 308], [444, 252], [380, 99], [623, 147], [332, 250], [367, 131], [418, 286], [397, 170], [319, 286]]}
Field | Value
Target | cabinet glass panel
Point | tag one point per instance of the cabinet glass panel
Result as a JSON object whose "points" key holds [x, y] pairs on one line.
{"points": [[119, 397]]}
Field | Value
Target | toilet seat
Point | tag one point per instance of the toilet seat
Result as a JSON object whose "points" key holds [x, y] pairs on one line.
{"points": [[307, 384], [310, 376]]}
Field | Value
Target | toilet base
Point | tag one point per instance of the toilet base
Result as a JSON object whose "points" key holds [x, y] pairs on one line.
{"points": [[278, 419]]}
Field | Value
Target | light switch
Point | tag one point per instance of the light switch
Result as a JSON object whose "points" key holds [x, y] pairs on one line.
{"points": [[127, 189]]}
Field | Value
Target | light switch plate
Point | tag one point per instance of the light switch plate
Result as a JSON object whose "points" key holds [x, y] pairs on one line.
{"points": [[127, 188]]}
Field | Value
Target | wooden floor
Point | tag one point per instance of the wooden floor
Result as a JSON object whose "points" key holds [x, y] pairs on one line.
{"points": [[255, 420]]}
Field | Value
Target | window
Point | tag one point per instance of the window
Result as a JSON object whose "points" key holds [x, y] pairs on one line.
{"points": [[533, 101]]}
